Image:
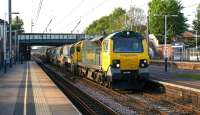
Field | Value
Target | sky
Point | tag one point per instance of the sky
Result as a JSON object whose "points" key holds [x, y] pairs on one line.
{"points": [[64, 15]]}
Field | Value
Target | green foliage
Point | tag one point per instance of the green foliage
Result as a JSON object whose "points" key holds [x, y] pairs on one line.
{"points": [[17, 24], [192, 76], [175, 25], [108, 24], [196, 22], [189, 42]]}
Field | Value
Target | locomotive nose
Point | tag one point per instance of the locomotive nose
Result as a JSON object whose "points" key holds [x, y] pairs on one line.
{"points": [[127, 62]]}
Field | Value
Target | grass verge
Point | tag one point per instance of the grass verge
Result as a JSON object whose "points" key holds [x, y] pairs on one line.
{"points": [[192, 76]]}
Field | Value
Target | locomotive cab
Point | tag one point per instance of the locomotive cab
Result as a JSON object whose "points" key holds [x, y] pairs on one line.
{"points": [[125, 57]]}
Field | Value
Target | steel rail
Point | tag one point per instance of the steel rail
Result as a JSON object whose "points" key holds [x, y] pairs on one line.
{"points": [[85, 103]]}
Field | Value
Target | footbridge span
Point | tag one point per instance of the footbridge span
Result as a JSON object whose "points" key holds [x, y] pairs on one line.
{"points": [[26, 40]]}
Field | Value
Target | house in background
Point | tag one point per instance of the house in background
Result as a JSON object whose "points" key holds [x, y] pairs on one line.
{"points": [[188, 34], [182, 48]]}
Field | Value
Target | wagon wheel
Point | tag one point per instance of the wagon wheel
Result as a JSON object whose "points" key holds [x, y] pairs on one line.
{"points": [[108, 82], [100, 80]]}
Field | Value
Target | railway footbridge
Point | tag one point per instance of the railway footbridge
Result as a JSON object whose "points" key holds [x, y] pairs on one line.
{"points": [[26, 40]]}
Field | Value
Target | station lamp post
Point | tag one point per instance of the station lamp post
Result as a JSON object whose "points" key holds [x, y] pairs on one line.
{"points": [[196, 36], [10, 36], [4, 44], [196, 32], [147, 32], [15, 45], [10, 41], [165, 40]]}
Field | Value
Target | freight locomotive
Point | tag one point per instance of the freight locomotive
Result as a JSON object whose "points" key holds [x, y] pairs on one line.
{"points": [[119, 61]]}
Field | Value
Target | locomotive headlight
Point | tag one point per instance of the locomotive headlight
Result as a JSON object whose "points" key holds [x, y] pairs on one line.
{"points": [[117, 65], [143, 63]]}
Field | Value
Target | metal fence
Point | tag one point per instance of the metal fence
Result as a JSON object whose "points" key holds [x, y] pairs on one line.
{"points": [[189, 54]]}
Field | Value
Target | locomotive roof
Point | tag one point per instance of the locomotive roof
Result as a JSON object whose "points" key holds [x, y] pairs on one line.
{"points": [[77, 43], [125, 34], [97, 38]]}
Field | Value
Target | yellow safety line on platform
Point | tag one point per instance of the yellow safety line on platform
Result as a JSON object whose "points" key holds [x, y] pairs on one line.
{"points": [[25, 95]]}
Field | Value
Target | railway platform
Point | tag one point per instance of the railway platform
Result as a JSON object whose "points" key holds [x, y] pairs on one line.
{"points": [[27, 90], [176, 77]]}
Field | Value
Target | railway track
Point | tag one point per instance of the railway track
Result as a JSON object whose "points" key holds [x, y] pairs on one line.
{"points": [[182, 103], [142, 102], [85, 103]]}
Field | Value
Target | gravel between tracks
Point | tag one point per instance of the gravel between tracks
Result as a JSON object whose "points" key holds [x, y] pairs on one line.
{"points": [[108, 100]]}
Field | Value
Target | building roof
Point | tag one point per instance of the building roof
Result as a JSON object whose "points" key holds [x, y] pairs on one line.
{"points": [[97, 38], [188, 34]]}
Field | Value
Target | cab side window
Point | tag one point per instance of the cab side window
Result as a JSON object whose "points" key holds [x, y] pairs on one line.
{"points": [[105, 46]]}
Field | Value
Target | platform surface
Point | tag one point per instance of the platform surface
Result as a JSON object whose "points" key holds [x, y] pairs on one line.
{"points": [[158, 73], [27, 90]]}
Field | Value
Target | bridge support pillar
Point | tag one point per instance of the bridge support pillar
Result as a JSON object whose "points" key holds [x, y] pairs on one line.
{"points": [[25, 52]]}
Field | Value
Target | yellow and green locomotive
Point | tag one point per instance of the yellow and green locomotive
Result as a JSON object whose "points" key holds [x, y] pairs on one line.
{"points": [[119, 60]]}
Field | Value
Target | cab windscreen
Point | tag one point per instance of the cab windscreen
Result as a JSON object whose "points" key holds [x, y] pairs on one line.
{"points": [[127, 45]]}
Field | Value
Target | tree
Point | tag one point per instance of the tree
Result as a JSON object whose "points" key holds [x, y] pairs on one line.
{"points": [[117, 19], [136, 20], [175, 25], [196, 22], [17, 24], [107, 24]]}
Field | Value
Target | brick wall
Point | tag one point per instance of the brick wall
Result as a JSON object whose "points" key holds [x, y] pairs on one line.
{"points": [[161, 48]]}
